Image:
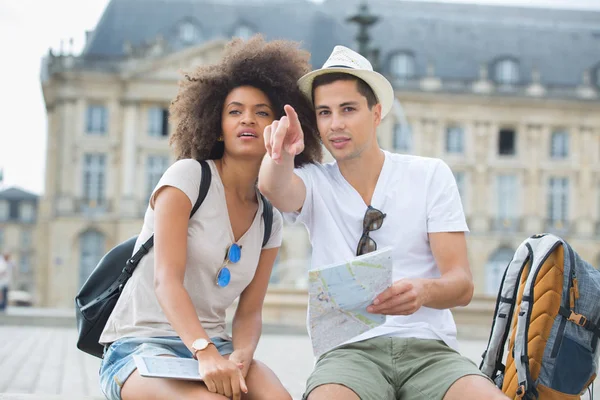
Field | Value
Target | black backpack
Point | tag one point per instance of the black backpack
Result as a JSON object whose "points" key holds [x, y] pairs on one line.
{"points": [[97, 297]]}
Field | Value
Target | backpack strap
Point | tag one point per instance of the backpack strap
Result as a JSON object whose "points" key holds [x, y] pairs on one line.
{"points": [[267, 218], [145, 247], [567, 308], [580, 320], [491, 364], [540, 247]]}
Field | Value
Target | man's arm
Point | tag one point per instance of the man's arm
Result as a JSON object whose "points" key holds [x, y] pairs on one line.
{"points": [[453, 288], [284, 139]]}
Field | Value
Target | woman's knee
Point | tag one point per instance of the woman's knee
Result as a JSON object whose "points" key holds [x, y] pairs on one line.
{"points": [[263, 384]]}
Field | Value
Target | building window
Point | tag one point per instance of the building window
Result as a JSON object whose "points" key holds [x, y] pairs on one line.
{"points": [[188, 32], [158, 122], [506, 189], [560, 145], [26, 238], [402, 138], [91, 250], [402, 66], [507, 72], [27, 212], [494, 270], [4, 210], [461, 185], [25, 264], [96, 120], [506, 142], [243, 32], [558, 201], [94, 176], [156, 167], [455, 138]]}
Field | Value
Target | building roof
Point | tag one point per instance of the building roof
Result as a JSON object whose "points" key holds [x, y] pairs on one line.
{"points": [[14, 193], [457, 39], [139, 21]]}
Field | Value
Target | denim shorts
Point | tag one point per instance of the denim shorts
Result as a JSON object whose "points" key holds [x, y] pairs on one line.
{"points": [[117, 363]]}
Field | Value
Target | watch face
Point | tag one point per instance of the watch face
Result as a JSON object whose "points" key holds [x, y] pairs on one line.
{"points": [[200, 344]]}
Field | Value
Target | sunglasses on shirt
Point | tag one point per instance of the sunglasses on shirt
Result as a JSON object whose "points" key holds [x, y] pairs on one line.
{"points": [[372, 221], [232, 255]]}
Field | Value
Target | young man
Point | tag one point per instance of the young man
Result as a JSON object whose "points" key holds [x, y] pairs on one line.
{"points": [[369, 198]]}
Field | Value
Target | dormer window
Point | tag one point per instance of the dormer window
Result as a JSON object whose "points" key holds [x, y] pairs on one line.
{"points": [[402, 65], [507, 72], [188, 32], [243, 32]]}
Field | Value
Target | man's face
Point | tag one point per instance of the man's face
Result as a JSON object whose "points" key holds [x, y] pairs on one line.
{"points": [[346, 125]]}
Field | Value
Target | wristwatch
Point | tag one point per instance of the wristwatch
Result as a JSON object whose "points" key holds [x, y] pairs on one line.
{"points": [[199, 345]]}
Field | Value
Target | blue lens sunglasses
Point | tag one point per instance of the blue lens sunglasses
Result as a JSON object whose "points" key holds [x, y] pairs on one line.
{"points": [[232, 255]]}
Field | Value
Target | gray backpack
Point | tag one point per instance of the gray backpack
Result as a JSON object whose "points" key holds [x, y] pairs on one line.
{"points": [[549, 304]]}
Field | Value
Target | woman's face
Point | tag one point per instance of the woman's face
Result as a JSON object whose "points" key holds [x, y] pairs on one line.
{"points": [[246, 113]]}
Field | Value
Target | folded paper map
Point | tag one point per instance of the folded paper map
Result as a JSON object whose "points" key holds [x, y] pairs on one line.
{"points": [[339, 295]]}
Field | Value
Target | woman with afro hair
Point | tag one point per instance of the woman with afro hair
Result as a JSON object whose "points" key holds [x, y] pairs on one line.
{"points": [[174, 304]]}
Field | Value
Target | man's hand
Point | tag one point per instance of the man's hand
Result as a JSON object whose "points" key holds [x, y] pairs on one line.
{"points": [[404, 297], [284, 136], [243, 359]]}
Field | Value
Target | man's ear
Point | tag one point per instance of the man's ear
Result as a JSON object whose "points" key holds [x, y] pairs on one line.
{"points": [[377, 114]]}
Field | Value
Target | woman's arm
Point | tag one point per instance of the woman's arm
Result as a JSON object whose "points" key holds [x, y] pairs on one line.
{"points": [[247, 322], [171, 214]]}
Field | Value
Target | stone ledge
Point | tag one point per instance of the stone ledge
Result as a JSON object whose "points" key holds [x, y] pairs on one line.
{"points": [[33, 316], [284, 312]]}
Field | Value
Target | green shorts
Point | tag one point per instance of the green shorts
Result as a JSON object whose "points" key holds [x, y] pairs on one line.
{"points": [[392, 368]]}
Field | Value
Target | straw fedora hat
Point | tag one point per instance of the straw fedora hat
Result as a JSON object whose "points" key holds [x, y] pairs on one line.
{"points": [[347, 61]]}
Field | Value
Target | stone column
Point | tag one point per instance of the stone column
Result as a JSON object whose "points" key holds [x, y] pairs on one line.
{"points": [[63, 143], [428, 138], [70, 133], [533, 213], [582, 195], [480, 198], [46, 204], [129, 159]]}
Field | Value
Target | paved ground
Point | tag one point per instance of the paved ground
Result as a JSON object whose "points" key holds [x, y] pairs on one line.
{"points": [[43, 363]]}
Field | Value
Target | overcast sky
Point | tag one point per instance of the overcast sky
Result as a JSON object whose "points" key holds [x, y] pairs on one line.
{"points": [[28, 28]]}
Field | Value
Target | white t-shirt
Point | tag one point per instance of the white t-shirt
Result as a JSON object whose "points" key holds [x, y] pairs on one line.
{"points": [[138, 313], [419, 196]]}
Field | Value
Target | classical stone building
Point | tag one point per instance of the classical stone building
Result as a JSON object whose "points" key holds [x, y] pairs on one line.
{"points": [[18, 215], [508, 97]]}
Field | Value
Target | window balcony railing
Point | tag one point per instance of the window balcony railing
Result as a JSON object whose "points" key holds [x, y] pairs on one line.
{"points": [[557, 227], [91, 207], [511, 224]]}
